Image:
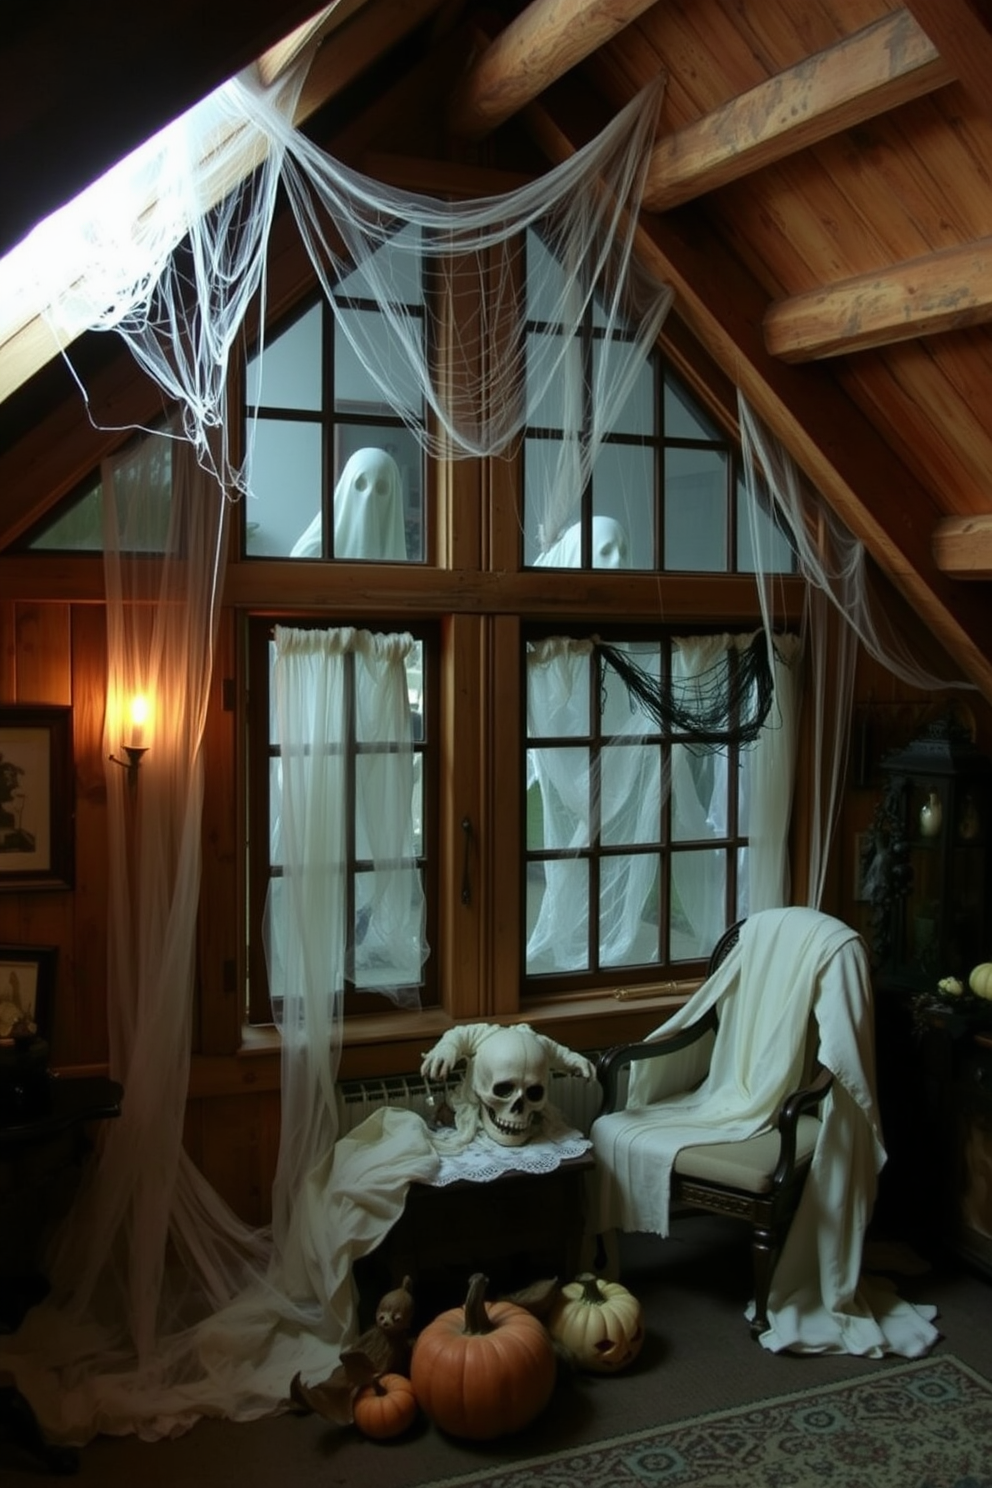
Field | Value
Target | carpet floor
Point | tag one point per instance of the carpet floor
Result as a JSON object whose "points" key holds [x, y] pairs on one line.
{"points": [[698, 1359]]}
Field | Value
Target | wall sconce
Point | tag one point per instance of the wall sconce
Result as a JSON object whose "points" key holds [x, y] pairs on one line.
{"points": [[138, 713]]}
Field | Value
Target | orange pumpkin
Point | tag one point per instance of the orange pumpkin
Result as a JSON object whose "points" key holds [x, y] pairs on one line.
{"points": [[483, 1370], [385, 1407]]}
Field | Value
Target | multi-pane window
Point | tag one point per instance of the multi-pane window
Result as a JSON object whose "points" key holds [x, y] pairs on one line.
{"points": [[361, 771], [665, 492], [636, 832], [336, 472]]}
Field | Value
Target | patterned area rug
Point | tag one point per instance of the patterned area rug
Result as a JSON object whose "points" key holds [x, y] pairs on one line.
{"points": [[927, 1424]]}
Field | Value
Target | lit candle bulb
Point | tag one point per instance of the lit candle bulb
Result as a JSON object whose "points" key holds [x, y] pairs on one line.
{"points": [[139, 717]]}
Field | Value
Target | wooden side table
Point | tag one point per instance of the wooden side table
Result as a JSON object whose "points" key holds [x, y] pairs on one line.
{"points": [[518, 1228]]}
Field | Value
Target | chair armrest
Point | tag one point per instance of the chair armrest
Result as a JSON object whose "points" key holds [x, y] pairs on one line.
{"points": [[613, 1060], [790, 1111]]}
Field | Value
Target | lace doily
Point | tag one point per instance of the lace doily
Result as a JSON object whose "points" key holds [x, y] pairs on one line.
{"points": [[483, 1159]]}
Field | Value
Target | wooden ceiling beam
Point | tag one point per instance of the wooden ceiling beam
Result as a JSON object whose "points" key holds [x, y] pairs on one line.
{"points": [[841, 453], [961, 30], [962, 546], [539, 46], [867, 74], [943, 291]]}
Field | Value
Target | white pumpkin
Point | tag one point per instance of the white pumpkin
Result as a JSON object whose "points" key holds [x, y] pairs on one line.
{"points": [[599, 1323], [980, 980]]}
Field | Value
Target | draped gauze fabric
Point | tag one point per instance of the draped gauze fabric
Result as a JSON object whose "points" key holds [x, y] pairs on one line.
{"points": [[368, 512], [844, 612], [789, 964], [630, 801], [166, 1307], [169, 251]]}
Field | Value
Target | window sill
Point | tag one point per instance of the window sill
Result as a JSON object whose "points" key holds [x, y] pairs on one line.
{"points": [[394, 1043]]}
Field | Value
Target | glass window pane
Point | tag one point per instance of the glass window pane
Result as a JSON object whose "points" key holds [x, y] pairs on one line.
{"points": [[629, 886], [285, 487], [540, 456], [774, 545], [549, 356], [684, 419], [396, 271], [637, 416], [355, 390], [623, 491], [562, 775], [699, 892], [287, 372], [555, 710], [545, 280], [383, 957], [695, 510], [699, 794], [78, 529], [275, 796], [630, 795], [555, 943]]}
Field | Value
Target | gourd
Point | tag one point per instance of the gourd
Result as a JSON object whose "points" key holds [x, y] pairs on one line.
{"points": [[385, 1407], [485, 1369], [980, 980], [600, 1324]]}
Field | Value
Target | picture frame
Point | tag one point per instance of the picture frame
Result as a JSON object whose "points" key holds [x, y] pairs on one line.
{"points": [[36, 797], [27, 982]]}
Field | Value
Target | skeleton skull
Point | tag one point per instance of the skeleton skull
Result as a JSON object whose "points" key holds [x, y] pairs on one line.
{"points": [[510, 1081]]}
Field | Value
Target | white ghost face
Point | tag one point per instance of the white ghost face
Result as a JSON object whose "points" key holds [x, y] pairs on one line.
{"points": [[609, 544], [510, 1081]]}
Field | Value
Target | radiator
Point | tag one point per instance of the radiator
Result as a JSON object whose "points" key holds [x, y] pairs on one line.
{"points": [[577, 1099]]}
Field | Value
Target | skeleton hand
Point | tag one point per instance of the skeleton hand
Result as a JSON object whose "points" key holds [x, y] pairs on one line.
{"points": [[566, 1059]]}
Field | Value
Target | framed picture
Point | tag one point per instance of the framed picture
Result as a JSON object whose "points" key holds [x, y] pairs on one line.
{"points": [[36, 807], [27, 990]]}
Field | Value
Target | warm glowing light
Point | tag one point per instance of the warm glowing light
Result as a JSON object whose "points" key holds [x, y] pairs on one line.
{"points": [[139, 712]]}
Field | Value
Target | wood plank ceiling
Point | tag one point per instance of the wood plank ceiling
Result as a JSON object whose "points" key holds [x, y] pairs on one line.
{"points": [[819, 197]]}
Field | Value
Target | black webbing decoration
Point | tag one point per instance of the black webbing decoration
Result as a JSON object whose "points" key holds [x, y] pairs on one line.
{"points": [[727, 704]]}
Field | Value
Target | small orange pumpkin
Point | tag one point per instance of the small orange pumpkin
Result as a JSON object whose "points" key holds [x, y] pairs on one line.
{"points": [[485, 1369], [385, 1407]]}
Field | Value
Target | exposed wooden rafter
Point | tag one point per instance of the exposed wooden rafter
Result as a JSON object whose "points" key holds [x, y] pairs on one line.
{"points": [[539, 46], [864, 75], [962, 546], [942, 291]]}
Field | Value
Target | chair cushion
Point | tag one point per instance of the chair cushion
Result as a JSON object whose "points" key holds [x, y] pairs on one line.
{"points": [[749, 1164]]}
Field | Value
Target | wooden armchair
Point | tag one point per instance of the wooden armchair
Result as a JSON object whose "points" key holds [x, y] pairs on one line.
{"points": [[759, 1179]]}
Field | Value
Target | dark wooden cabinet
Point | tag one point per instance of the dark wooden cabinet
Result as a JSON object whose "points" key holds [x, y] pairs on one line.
{"points": [[926, 861]]}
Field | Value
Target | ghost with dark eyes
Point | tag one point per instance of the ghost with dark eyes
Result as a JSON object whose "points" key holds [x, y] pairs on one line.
{"points": [[368, 511]]}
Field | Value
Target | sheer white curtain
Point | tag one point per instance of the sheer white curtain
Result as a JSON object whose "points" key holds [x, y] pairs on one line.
{"points": [[148, 1245], [842, 613], [330, 685], [628, 799]]}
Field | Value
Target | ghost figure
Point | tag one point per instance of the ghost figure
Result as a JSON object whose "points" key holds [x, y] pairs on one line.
{"points": [[368, 511], [610, 548], [505, 1086]]}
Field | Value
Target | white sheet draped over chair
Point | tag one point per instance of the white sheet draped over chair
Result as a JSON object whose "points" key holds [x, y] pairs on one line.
{"points": [[789, 965]]}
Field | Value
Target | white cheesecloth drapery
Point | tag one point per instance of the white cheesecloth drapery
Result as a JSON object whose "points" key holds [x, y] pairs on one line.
{"points": [[631, 793], [165, 1306], [842, 613], [111, 260], [789, 964]]}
